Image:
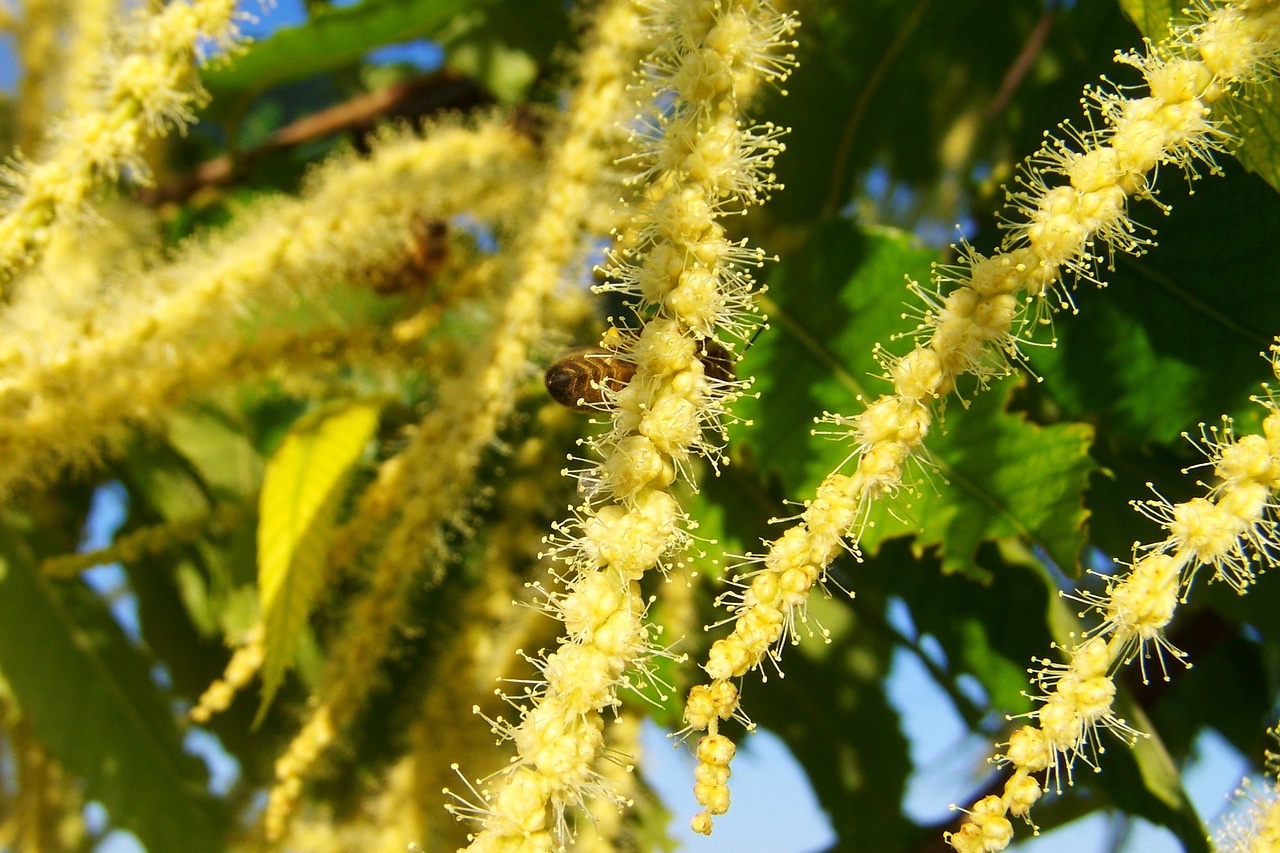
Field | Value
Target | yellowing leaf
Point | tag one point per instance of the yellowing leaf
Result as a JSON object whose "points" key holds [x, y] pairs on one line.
{"points": [[301, 493]]}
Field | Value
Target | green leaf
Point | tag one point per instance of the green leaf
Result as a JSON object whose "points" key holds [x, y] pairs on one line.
{"points": [[1222, 691], [503, 47], [990, 473], [305, 482], [162, 483], [1173, 341], [224, 456], [1141, 779], [332, 38], [90, 698], [1259, 123], [1145, 781], [156, 474], [1152, 16], [886, 90], [1175, 337], [987, 630], [998, 475]]}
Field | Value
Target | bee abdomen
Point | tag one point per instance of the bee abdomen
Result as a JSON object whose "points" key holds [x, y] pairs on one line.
{"points": [[717, 362], [578, 378]]}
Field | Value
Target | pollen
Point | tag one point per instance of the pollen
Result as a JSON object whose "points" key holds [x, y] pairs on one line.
{"points": [[1029, 749], [1249, 460], [1205, 529], [635, 465], [561, 744], [1144, 603], [918, 375]]}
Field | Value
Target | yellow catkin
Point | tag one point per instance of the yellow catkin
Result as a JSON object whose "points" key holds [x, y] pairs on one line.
{"points": [[306, 363], [971, 326], [242, 667], [604, 828], [472, 406], [75, 375], [40, 50], [147, 541], [351, 671], [87, 42], [491, 635], [45, 808], [690, 282], [150, 87], [436, 487], [486, 645], [413, 473], [1233, 525], [331, 361], [448, 728], [380, 825], [374, 615], [1253, 825], [1228, 532]]}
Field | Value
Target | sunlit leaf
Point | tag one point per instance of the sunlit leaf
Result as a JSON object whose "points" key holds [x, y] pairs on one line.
{"points": [[996, 475], [304, 485], [1151, 16], [829, 302]]}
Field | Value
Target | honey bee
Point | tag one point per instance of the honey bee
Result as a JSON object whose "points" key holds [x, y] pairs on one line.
{"points": [[579, 378], [427, 252], [717, 362]]}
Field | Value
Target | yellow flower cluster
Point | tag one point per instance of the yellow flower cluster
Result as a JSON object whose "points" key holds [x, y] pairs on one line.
{"points": [[1071, 213], [426, 483], [150, 86], [154, 539], [242, 667], [1230, 530], [75, 372], [688, 282]]}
